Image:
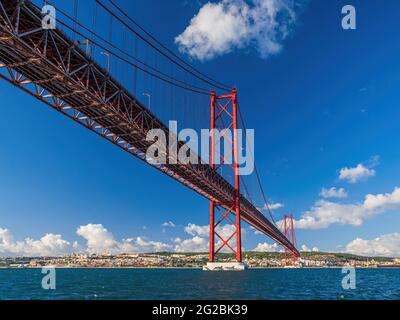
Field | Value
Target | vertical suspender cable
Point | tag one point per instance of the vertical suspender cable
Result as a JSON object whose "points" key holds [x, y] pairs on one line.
{"points": [[256, 170], [135, 70], [124, 47], [94, 25], [76, 18], [185, 66]]}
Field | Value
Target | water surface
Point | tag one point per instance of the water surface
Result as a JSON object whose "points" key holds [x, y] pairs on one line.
{"points": [[169, 284]]}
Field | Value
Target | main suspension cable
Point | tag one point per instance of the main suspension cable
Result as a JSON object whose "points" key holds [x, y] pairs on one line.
{"points": [[226, 87], [127, 61], [158, 50], [184, 85]]}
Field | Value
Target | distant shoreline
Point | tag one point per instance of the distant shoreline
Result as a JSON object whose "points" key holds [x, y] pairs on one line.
{"points": [[310, 260], [195, 268]]}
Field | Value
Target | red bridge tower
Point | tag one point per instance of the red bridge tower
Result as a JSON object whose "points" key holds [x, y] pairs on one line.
{"points": [[288, 226], [222, 108]]}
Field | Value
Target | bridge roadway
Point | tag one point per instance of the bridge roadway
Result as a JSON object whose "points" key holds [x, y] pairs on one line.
{"points": [[48, 65]]}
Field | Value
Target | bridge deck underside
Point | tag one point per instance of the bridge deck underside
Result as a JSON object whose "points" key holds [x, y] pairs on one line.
{"points": [[48, 65]]}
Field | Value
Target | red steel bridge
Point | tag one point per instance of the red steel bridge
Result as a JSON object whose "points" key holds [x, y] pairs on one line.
{"points": [[120, 82]]}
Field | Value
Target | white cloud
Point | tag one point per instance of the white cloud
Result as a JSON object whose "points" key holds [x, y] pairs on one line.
{"points": [[141, 245], [373, 202], [386, 246], [168, 224], [196, 230], [204, 231], [356, 174], [99, 240], [304, 248], [274, 206], [195, 244], [266, 247], [219, 28], [325, 213], [333, 193], [48, 245], [200, 240]]}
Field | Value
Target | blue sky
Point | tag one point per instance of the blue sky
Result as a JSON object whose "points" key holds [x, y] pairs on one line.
{"points": [[327, 101]]}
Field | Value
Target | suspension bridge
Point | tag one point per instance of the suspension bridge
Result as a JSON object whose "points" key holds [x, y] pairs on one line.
{"points": [[117, 80]]}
